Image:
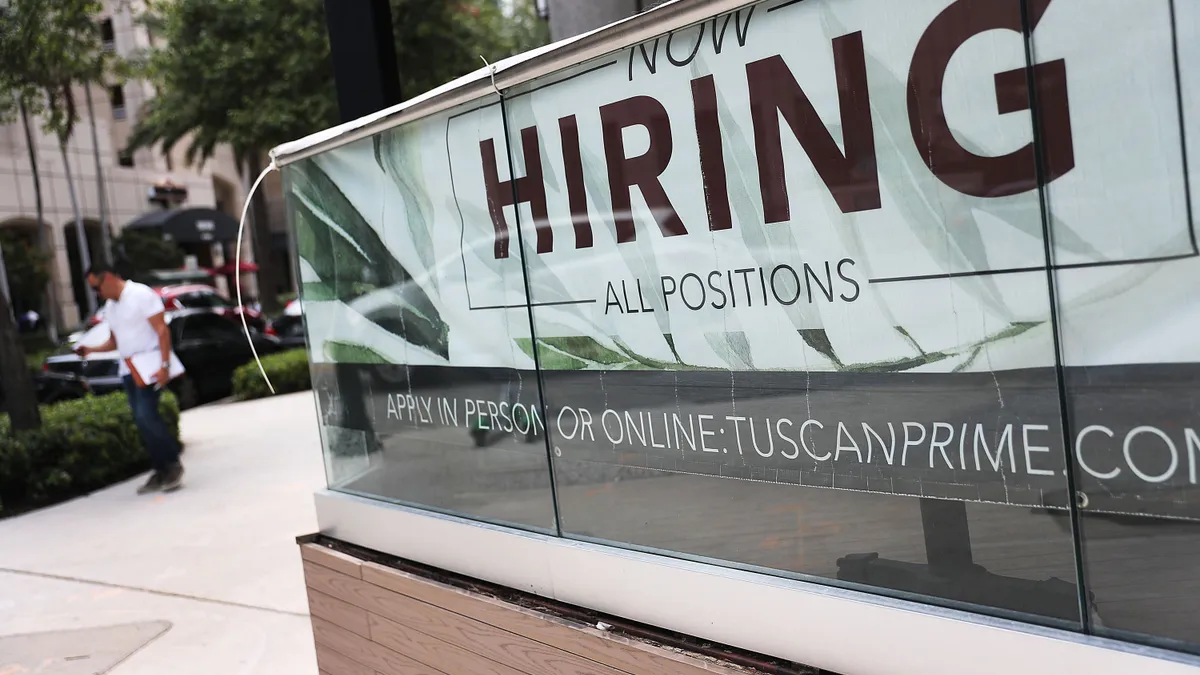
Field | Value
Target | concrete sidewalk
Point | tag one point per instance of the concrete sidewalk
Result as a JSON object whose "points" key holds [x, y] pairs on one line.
{"points": [[204, 580]]}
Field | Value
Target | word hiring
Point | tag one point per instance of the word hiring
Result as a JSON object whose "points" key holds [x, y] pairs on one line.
{"points": [[850, 175]]}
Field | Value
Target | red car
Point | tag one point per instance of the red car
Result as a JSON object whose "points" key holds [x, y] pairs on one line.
{"points": [[199, 296]]}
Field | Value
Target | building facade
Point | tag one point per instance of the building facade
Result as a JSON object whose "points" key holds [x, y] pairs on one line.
{"points": [[123, 182]]}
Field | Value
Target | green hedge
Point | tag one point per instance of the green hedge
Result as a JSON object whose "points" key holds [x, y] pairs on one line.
{"points": [[82, 446], [37, 347], [37, 342], [288, 372], [35, 359]]}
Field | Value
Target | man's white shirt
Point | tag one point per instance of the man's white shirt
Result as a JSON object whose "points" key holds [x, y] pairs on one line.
{"points": [[129, 319]]}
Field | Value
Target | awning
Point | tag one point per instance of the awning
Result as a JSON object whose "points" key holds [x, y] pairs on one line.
{"points": [[189, 226], [228, 268], [171, 277]]}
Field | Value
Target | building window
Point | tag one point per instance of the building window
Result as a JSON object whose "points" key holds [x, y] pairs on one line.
{"points": [[116, 94], [108, 35], [125, 158]]}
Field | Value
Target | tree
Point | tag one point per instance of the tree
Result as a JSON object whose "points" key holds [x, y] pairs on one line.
{"points": [[248, 73], [138, 252], [102, 197], [19, 36], [48, 301], [18, 396], [20, 25], [439, 40], [256, 73], [46, 48], [68, 52], [526, 29]]}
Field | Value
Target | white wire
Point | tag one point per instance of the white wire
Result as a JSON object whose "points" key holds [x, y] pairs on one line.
{"points": [[237, 268], [492, 71]]}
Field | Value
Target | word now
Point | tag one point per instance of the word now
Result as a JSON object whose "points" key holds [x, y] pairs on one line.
{"points": [[851, 175]]}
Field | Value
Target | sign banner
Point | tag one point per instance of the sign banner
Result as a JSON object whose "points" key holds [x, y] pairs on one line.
{"points": [[845, 244]]}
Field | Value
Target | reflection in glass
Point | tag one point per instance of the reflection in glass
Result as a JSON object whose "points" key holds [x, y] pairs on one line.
{"points": [[425, 397], [1127, 306], [791, 303]]}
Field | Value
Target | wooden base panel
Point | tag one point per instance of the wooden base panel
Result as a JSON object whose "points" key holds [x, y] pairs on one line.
{"points": [[370, 619]]}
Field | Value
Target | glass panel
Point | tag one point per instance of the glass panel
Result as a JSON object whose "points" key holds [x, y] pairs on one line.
{"points": [[415, 331], [1126, 278], [791, 299]]}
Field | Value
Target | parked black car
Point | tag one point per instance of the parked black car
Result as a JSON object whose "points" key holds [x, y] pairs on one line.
{"points": [[289, 326], [210, 346]]}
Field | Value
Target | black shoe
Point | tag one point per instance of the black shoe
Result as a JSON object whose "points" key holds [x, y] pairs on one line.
{"points": [[173, 478], [152, 484]]}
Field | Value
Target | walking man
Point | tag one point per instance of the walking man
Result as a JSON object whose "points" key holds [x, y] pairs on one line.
{"points": [[134, 313]]}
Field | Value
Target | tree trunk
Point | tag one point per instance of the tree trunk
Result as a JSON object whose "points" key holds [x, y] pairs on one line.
{"points": [[19, 394], [268, 273], [85, 258], [50, 309], [105, 244], [4, 279]]}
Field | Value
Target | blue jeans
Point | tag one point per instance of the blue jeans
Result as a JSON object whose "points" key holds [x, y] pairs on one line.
{"points": [[157, 437]]}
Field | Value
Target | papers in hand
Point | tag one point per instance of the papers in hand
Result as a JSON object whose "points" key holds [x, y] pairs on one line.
{"points": [[148, 364]]}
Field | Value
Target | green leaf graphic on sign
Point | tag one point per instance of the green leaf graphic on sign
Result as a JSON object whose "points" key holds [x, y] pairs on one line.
{"points": [[356, 266], [397, 153], [345, 352]]}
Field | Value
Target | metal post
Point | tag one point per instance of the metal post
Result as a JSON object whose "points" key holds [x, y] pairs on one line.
{"points": [[363, 48], [367, 79], [947, 537], [101, 192]]}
